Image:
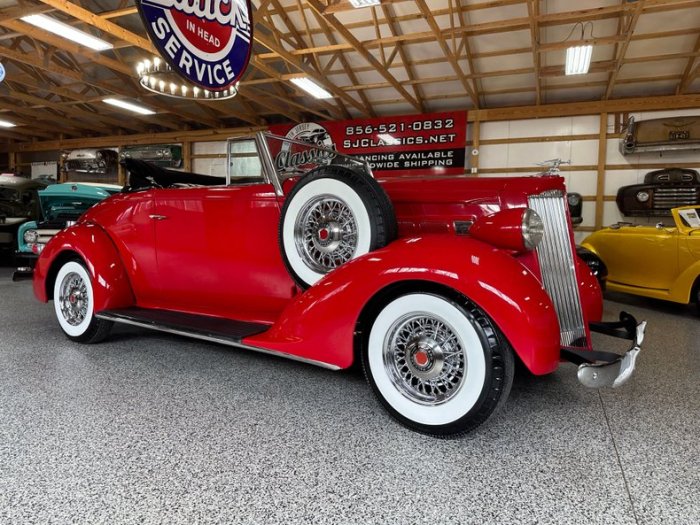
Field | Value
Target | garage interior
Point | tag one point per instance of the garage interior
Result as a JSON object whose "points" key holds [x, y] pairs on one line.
{"points": [[149, 427]]}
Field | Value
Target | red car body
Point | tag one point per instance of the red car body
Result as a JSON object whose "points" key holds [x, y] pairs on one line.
{"points": [[184, 264], [217, 255]]}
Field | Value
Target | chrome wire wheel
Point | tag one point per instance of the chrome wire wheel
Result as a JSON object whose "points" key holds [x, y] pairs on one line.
{"points": [[73, 299], [74, 304], [424, 358], [325, 233]]}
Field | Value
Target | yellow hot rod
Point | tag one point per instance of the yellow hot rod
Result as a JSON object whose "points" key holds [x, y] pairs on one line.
{"points": [[661, 261]]}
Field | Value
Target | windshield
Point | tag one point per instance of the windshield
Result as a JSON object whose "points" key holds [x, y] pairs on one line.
{"points": [[66, 209], [9, 194]]}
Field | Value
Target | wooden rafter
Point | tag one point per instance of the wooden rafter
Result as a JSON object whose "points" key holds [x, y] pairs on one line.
{"points": [[688, 73], [533, 10], [357, 46], [395, 30], [425, 10], [101, 23], [619, 59], [346, 66]]}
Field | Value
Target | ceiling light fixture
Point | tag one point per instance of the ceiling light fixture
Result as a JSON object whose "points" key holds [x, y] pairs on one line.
{"points": [[311, 87], [123, 104], [7, 124], [363, 3], [158, 77], [69, 32], [578, 58]]}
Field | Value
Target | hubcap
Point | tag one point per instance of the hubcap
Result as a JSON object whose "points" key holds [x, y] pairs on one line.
{"points": [[325, 233], [73, 299], [424, 358]]}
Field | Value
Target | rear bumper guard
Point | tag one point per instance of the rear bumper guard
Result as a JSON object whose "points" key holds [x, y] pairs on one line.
{"points": [[606, 369]]}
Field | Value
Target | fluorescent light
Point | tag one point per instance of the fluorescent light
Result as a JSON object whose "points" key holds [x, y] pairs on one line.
{"points": [[128, 105], [64, 30], [7, 124], [388, 139], [311, 87], [363, 3], [578, 59]]}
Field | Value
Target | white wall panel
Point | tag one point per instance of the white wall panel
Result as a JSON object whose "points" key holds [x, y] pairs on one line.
{"points": [[207, 148], [614, 179], [611, 214], [583, 182], [530, 153], [585, 125], [493, 156], [540, 127], [583, 152], [494, 130]]}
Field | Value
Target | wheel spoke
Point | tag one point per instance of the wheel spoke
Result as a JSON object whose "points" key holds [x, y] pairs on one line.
{"points": [[424, 358]]}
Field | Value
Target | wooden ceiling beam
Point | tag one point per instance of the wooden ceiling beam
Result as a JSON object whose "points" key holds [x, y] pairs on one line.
{"points": [[65, 45], [357, 45], [299, 65], [118, 13], [395, 29], [686, 78], [33, 60], [619, 59], [58, 122], [105, 120], [533, 10], [425, 10], [332, 111], [344, 62], [101, 23]]}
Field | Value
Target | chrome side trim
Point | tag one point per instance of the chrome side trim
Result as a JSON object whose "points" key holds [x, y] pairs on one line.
{"points": [[214, 339], [557, 264]]}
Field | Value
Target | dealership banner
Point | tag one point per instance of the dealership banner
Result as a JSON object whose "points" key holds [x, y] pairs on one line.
{"points": [[428, 144]]}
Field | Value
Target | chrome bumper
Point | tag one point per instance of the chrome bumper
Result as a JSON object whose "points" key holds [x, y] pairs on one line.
{"points": [[605, 369]]}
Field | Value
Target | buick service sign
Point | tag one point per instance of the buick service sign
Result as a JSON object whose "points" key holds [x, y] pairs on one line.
{"points": [[206, 41]]}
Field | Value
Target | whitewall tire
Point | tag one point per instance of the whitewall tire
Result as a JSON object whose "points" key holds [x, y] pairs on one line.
{"points": [[74, 304], [331, 217], [438, 366]]}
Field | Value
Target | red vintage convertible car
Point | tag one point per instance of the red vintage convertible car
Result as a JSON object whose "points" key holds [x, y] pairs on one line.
{"points": [[436, 285]]}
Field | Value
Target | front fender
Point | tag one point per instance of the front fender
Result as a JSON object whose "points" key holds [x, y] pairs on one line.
{"points": [[89, 242], [320, 324]]}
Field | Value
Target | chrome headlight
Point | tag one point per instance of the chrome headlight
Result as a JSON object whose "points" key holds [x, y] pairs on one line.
{"points": [[574, 199], [533, 229], [31, 236], [642, 196]]}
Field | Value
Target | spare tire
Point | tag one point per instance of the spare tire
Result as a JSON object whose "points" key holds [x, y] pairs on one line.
{"points": [[333, 215]]}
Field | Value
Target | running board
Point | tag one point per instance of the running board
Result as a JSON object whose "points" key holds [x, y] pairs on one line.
{"points": [[207, 328]]}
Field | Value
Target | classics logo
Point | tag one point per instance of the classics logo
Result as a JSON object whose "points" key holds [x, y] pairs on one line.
{"points": [[297, 157], [206, 41]]}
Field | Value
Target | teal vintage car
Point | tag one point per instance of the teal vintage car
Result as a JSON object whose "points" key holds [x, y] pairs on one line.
{"points": [[61, 205]]}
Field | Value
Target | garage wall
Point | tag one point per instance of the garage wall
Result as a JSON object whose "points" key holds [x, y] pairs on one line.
{"points": [[209, 158], [513, 148]]}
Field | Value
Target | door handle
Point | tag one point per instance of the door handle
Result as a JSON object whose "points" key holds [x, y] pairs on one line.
{"points": [[157, 217]]}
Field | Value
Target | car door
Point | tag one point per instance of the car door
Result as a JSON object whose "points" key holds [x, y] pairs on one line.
{"points": [[218, 254], [645, 257]]}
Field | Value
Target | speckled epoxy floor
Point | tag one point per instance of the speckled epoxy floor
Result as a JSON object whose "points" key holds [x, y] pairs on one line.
{"points": [[149, 428]]}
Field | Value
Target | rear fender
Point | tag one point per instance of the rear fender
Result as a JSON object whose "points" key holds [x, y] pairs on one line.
{"points": [[320, 323], [89, 242]]}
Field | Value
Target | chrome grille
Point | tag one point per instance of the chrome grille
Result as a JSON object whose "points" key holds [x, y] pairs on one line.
{"points": [[667, 198], [557, 265]]}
